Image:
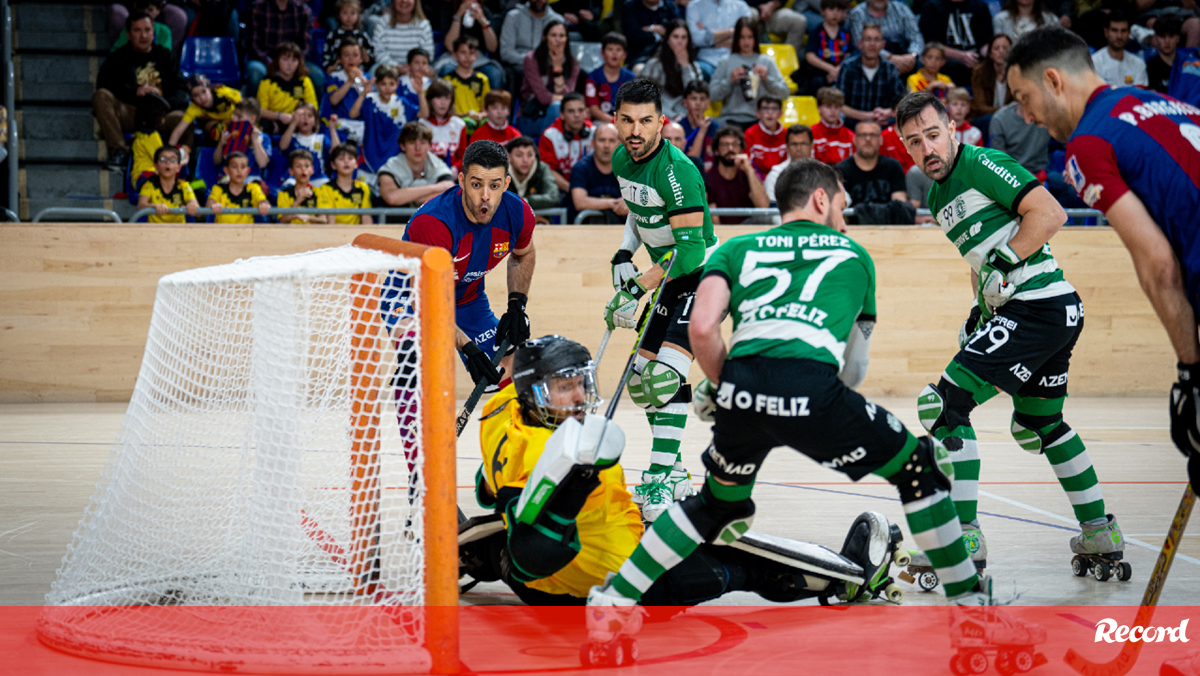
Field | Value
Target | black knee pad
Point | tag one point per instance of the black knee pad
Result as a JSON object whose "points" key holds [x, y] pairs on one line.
{"points": [[956, 411], [718, 521], [1034, 433], [921, 476]]}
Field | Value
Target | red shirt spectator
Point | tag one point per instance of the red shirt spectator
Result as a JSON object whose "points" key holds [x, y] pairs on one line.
{"points": [[832, 144], [567, 140], [766, 148], [893, 147], [486, 132]]}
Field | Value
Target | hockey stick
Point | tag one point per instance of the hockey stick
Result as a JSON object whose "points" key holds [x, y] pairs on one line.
{"points": [[465, 414], [1124, 661], [668, 262], [603, 346]]}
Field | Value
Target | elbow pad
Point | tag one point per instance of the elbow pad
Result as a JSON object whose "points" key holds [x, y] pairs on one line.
{"points": [[689, 251]]}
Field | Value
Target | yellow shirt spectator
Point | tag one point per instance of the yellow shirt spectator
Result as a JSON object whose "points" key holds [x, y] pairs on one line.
{"points": [[144, 146], [917, 82], [282, 96], [330, 196], [224, 99], [178, 197], [249, 198], [468, 92]]}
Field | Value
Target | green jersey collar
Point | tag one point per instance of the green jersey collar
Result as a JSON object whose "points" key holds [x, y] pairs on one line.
{"points": [[954, 165], [807, 224]]}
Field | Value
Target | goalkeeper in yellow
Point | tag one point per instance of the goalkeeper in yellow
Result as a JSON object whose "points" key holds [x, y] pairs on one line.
{"points": [[563, 520]]}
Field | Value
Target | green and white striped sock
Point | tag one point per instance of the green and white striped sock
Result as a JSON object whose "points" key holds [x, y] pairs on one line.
{"points": [[965, 492], [1065, 451], [666, 424]]}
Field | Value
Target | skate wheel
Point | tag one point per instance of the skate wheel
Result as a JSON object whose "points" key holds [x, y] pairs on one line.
{"points": [[587, 655], [894, 594], [1102, 570], [1023, 661], [1004, 663], [619, 656], [957, 666], [1079, 566], [928, 581], [976, 662], [631, 649], [901, 558], [1124, 571]]}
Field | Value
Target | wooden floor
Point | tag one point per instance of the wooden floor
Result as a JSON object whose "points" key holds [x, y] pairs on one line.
{"points": [[52, 454]]}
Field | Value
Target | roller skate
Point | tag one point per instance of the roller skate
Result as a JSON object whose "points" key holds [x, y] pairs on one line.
{"points": [[1188, 665], [978, 629], [920, 569], [874, 544], [659, 489], [612, 622], [1099, 550]]}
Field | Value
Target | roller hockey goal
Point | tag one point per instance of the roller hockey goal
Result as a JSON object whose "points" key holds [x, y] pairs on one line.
{"points": [[281, 496]]}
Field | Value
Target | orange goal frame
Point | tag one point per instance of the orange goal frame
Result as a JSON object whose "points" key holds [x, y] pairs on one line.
{"points": [[436, 318]]}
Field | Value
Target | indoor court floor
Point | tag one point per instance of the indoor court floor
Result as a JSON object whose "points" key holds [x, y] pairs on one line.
{"points": [[51, 456]]}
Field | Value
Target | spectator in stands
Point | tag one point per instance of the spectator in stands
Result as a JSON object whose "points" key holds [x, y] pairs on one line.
{"points": [[164, 191], [146, 138], [833, 141], [875, 183], [211, 107], [673, 133], [600, 88], [498, 105], [646, 24], [1158, 67], [1113, 64], [523, 30], [899, 28], [403, 28], [383, 113], [872, 85], [828, 47], [550, 73], [799, 147], [485, 35], [766, 142], [470, 85], [989, 81], [583, 16], [673, 67], [449, 132], [304, 133], [270, 23], [929, 75], [301, 193], [237, 192], [1026, 143], [1189, 17], [350, 27], [964, 27], [532, 180], [415, 83], [417, 175], [127, 76], [732, 182], [593, 183], [746, 76], [700, 129], [344, 191], [344, 87], [958, 104], [243, 135], [286, 86], [566, 141], [781, 20], [1021, 16], [712, 25], [167, 19]]}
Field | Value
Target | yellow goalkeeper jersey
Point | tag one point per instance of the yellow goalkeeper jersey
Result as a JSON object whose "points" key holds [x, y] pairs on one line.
{"points": [[609, 524]]}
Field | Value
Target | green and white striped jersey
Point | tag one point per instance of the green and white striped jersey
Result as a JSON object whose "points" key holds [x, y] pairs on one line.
{"points": [[795, 291], [976, 205], [661, 185]]}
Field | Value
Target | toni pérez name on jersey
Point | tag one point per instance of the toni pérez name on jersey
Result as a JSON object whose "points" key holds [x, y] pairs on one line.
{"points": [[804, 312]]}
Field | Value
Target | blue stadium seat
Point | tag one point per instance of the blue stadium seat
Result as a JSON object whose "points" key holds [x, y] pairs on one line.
{"points": [[317, 46], [277, 173], [215, 58], [205, 169], [439, 44]]}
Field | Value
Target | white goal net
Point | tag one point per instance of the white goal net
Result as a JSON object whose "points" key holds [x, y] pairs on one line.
{"points": [[270, 456]]}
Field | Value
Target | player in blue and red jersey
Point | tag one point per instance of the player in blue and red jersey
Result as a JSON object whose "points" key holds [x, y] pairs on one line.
{"points": [[481, 224], [1135, 155]]}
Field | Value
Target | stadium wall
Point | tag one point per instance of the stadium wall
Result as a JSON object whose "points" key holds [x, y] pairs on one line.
{"points": [[76, 300]]}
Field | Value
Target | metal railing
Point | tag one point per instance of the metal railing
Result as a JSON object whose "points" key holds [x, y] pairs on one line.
{"points": [[77, 212], [560, 213], [774, 213], [10, 102]]}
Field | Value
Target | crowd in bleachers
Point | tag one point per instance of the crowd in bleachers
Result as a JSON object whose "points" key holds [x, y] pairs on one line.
{"points": [[360, 103]]}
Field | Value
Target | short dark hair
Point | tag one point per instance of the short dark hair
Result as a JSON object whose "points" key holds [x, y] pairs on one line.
{"points": [[835, 4], [768, 99], [158, 153], [614, 38], [300, 154], [348, 148], [727, 130], [912, 105], [485, 155], [1168, 24], [413, 130], [520, 142], [234, 156], [797, 129], [1117, 16], [800, 180], [1049, 46], [415, 52], [696, 87], [134, 17], [348, 42], [465, 40], [640, 90], [573, 96], [438, 89]]}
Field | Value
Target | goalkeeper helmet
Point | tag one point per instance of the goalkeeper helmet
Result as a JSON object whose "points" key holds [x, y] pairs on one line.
{"points": [[555, 379]]}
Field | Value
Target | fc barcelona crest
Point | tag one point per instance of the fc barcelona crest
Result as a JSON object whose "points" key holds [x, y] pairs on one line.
{"points": [[499, 249]]}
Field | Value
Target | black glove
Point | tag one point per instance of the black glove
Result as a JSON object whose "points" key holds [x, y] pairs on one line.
{"points": [[514, 325], [1184, 394], [479, 365]]}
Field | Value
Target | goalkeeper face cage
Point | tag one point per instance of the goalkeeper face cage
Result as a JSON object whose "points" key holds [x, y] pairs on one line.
{"points": [[567, 392]]}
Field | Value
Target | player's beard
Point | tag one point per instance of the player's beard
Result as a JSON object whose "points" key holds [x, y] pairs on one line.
{"points": [[947, 163], [473, 210], [647, 146]]}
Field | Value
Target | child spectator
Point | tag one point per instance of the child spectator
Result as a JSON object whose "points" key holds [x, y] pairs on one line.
{"points": [[958, 104], [301, 193], [164, 191], [243, 135], [286, 86], [146, 139], [343, 88], [498, 105], [469, 86], [303, 133], [828, 46], [211, 106], [699, 129], [416, 176], [383, 114], [162, 32], [832, 140], [350, 27], [343, 191], [566, 141], [449, 132], [532, 180], [415, 83], [403, 28], [603, 83], [930, 76], [767, 141], [674, 67], [237, 193]]}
